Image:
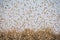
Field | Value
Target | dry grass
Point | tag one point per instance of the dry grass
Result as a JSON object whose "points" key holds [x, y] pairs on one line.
{"points": [[57, 37], [28, 34]]}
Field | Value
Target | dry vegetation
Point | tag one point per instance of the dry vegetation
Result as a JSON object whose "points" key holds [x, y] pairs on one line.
{"points": [[28, 34]]}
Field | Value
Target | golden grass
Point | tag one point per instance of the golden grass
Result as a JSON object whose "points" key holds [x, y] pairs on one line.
{"points": [[29, 34]]}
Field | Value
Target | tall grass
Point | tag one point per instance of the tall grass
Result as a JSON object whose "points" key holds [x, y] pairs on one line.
{"points": [[29, 34]]}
